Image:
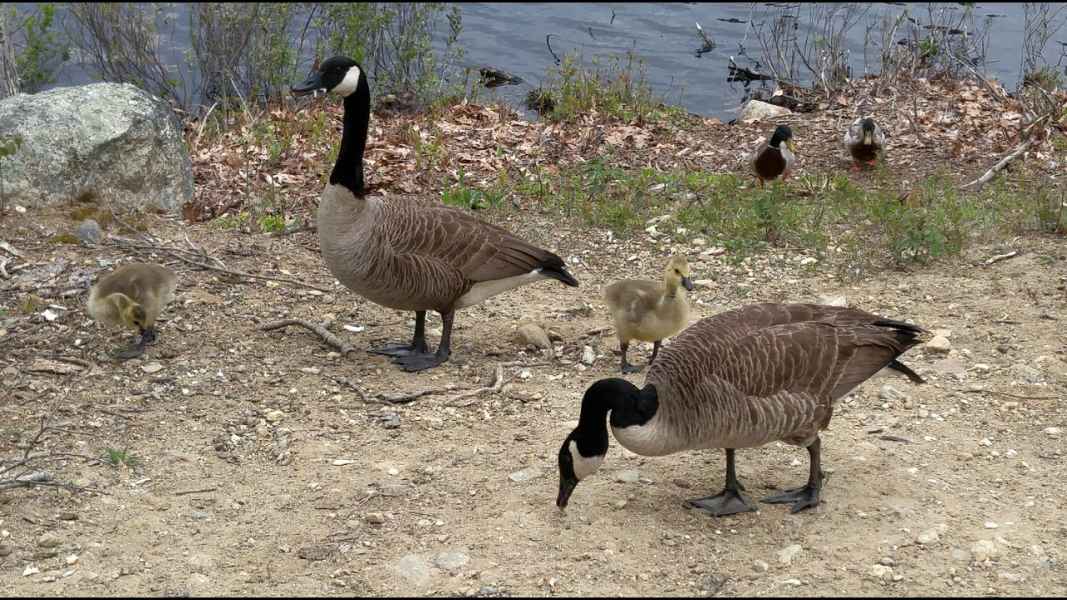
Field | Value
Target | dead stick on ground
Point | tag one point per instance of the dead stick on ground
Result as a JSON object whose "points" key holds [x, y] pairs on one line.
{"points": [[328, 337], [999, 257], [498, 383], [200, 491], [1000, 165], [1010, 395]]}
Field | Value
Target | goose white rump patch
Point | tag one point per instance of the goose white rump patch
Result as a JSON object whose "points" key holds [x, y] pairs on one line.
{"points": [[349, 83], [487, 289], [584, 466]]}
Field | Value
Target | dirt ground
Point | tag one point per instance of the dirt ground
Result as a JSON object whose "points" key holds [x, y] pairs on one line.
{"points": [[302, 485]]}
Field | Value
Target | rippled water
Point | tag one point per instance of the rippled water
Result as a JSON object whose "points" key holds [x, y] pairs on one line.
{"points": [[511, 37]]}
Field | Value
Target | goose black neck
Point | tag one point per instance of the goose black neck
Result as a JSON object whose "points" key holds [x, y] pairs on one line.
{"points": [[348, 170], [627, 404]]}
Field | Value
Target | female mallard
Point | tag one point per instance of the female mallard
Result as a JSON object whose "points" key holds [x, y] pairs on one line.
{"points": [[865, 142], [774, 158]]}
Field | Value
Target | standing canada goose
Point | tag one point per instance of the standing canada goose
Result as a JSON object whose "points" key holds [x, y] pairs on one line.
{"points": [[740, 379], [132, 296], [649, 310], [774, 157], [406, 254], [865, 141]]}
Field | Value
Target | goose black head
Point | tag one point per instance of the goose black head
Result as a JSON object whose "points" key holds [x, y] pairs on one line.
{"points": [[782, 133], [337, 74], [574, 466]]}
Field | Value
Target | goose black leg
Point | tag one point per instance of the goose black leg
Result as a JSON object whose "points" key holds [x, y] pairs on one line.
{"points": [[625, 364], [729, 501], [655, 351], [420, 361], [418, 341], [807, 496]]}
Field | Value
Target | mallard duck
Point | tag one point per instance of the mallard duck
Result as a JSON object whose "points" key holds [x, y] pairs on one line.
{"points": [[740, 379], [132, 296], [410, 254], [865, 141], [774, 157], [650, 310]]}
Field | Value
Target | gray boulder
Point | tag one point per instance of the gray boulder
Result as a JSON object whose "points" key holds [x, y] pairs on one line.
{"points": [[755, 110], [111, 142]]}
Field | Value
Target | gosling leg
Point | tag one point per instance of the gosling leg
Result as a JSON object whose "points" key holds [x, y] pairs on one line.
{"points": [[625, 364]]}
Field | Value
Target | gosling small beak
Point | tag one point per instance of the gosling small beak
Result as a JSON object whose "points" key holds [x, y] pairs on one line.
{"points": [[310, 85], [566, 488], [687, 283]]}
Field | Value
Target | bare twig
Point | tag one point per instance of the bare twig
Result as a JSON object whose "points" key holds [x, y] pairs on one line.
{"points": [[405, 398], [328, 337], [984, 179], [1016, 396], [199, 491], [498, 383], [999, 257]]}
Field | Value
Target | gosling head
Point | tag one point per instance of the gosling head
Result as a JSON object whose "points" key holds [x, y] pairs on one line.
{"points": [[338, 74], [677, 273], [781, 134], [867, 125], [132, 313]]}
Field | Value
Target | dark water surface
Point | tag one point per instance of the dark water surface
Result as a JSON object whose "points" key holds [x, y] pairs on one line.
{"points": [[511, 37]]}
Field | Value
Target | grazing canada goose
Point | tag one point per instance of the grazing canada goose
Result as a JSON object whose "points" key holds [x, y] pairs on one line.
{"points": [[406, 254], [132, 296], [865, 141], [770, 159], [740, 379], [649, 310]]}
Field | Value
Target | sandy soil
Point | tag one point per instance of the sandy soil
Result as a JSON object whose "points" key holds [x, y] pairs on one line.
{"points": [[312, 487]]}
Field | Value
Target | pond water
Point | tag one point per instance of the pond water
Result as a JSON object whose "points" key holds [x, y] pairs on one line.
{"points": [[511, 37]]}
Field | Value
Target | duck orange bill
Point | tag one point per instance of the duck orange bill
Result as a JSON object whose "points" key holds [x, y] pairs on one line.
{"points": [[309, 86], [566, 487]]}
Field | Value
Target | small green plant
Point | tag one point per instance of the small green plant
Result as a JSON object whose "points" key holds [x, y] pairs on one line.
{"points": [[31, 304], [120, 458], [42, 51], [463, 196], [272, 223], [619, 89]]}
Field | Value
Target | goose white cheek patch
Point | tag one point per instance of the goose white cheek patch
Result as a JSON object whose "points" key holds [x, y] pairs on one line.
{"points": [[349, 83], [584, 466]]}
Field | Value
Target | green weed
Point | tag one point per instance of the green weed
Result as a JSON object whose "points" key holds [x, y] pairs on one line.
{"points": [[120, 458]]}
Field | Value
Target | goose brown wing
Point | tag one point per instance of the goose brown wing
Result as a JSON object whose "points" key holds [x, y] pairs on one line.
{"points": [[451, 240], [816, 358]]}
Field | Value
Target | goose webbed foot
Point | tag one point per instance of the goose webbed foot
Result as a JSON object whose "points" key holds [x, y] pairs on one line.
{"points": [[420, 361], [399, 349], [800, 498], [727, 502], [627, 368], [807, 496]]}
